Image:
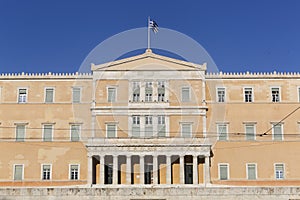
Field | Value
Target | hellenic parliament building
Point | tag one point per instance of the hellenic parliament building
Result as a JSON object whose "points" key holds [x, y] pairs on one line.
{"points": [[153, 125]]}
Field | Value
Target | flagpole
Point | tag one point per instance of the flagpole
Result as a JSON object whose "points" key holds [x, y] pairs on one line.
{"points": [[148, 33]]}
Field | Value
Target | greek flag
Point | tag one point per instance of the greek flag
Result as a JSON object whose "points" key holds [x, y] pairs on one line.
{"points": [[153, 25]]}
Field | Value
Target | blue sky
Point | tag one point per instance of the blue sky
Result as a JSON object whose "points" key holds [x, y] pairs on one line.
{"points": [[56, 36]]}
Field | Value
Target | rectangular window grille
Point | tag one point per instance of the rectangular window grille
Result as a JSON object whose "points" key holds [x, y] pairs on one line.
{"points": [[161, 91], [111, 130], [18, 172], [49, 98], [20, 133], [48, 129], [250, 131], [74, 172], [277, 132], [135, 126], [111, 97], [46, 172], [223, 171], [75, 132], [251, 169], [161, 126], [279, 171], [185, 94], [148, 92], [148, 126], [22, 98], [186, 130], [222, 132], [248, 94], [76, 95], [220, 95], [275, 95]]}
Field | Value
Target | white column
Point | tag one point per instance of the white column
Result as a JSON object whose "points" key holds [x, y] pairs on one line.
{"points": [[102, 167], [128, 169], [181, 161], [115, 169], [207, 170], [168, 170], [155, 169], [195, 169], [142, 170], [90, 170]]}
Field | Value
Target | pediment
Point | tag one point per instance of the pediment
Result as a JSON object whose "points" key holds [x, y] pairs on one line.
{"points": [[149, 61]]}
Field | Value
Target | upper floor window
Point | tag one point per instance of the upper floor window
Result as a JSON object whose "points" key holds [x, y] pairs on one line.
{"points": [[135, 126], [18, 172], [74, 172], [277, 132], [251, 171], [111, 130], [299, 94], [20, 132], [148, 126], [49, 95], [279, 171], [161, 128], [224, 171], [161, 91], [22, 95], [76, 95], [136, 91], [275, 94], [185, 94], [111, 94], [220, 95], [148, 92], [248, 96], [222, 131], [186, 130], [250, 131], [46, 172], [75, 132], [47, 132]]}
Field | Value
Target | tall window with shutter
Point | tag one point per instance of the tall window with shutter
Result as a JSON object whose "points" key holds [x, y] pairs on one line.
{"points": [[111, 94], [135, 126], [20, 133], [161, 126], [18, 172], [111, 130], [22, 95], [46, 172], [148, 92], [148, 126], [161, 91], [49, 96], [185, 94], [222, 131], [277, 132], [186, 130], [223, 171], [250, 131], [75, 132], [136, 91], [279, 171], [251, 171], [76, 94], [47, 132]]}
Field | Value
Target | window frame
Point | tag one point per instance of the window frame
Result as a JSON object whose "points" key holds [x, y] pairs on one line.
{"points": [[218, 132], [42, 172], [136, 86], [217, 94], [137, 125], [20, 124], [79, 132], [26, 96], [148, 96], [115, 93], [252, 94], [189, 94], [52, 132], [219, 171], [14, 172], [279, 93], [45, 94], [283, 174], [115, 131], [78, 171], [80, 94], [247, 170], [254, 131], [190, 124], [273, 132]]}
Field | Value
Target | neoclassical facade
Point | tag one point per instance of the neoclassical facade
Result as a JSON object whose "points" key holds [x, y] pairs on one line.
{"points": [[149, 120]]}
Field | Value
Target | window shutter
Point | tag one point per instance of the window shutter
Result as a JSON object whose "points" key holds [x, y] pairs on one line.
{"points": [[250, 132], [186, 130], [49, 95], [111, 94], [223, 172], [251, 171], [75, 132], [277, 132], [222, 131], [20, 136], [47, 133], [18, 172], [76, 95], [111, 130], [185, 94]]}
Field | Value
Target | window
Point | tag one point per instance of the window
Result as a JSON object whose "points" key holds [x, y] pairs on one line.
{"points": [[220, 95], [49, 96], [111, 130], [161, 91], [47, 132], [279, 171], [275, 94], [251, 172], [111, 97], [222, 131], [250, 131], [186, 130], [75, 132], [185, 94], [74, 172], [298, 94], [135, 126], [76, 95], [20, 133], [136, 92], [148, 92], [277, 132], [148, 126], [18, 172], [46, 172], [223, 171], [161, 126], [22, 98], [248, 94]]}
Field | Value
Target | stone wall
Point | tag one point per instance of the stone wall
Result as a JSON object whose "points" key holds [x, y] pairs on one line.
{"points": [[151, 193]]}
